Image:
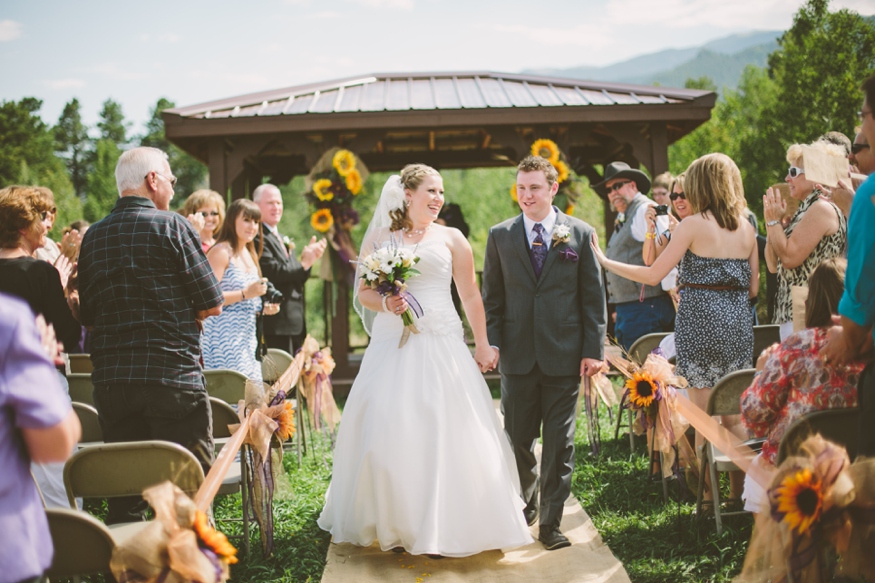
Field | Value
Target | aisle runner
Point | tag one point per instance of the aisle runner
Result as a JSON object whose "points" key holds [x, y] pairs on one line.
{"points": [[588, 559]]}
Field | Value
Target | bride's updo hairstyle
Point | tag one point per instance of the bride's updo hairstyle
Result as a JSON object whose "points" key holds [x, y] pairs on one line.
{"points": [[411, 177]]}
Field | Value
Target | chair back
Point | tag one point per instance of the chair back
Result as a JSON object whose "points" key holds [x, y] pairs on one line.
{"points": [[127, 468], [275, 363], [81, 363], [83, 544], [763, 337], [81, 389], [223, 415], [840, 426], [227, 385], [645, 345], [725, 397], [88, 418]]}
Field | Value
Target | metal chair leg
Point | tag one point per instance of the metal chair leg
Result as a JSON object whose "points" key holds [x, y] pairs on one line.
{"points": [[715, 489], [244, 495]]}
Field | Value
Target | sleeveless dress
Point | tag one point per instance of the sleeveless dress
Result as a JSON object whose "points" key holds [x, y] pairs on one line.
{"points": [[714, 327], [422, 461], [229, 339], [828, 247]]}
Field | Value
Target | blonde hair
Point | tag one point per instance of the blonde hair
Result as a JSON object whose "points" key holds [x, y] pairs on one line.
{"points": [[201, 198], [713, 185], [412, 176], [663, 180]]}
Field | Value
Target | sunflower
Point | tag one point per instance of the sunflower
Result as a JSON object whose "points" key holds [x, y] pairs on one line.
{"points": [[569, 209], [800, 500], [213, 540], [562, 169], [286, 422], [343, 162], [546, 149], [322, 189], [354, 181], [322, 220], [513, 192], [642, 389]]}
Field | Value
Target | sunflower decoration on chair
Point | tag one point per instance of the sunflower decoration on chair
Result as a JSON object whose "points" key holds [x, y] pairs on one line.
{"points": [[332, 187], [569, 185]]}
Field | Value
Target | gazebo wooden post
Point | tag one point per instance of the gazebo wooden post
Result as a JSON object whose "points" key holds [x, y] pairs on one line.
{"points": [[218, 180]]}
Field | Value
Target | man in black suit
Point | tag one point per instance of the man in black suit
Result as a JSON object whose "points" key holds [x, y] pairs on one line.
{"points": [[287, 329]]}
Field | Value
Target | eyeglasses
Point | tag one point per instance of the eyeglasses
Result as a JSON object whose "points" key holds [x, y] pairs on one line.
{"points": [[857, 148], [677, 195], [171, 180], [862, 114], [795, 171], [618, 185], [208, 213], [51, 211]]}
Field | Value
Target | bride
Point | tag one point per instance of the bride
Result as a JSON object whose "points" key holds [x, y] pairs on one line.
{"points": [[421, 461]]}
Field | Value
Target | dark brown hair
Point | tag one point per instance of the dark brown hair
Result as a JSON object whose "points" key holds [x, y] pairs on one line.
{"points": [[868, 88], [825, 288], [228, 231]]}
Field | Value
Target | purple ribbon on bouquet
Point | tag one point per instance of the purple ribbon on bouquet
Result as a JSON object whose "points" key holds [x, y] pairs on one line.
{"points": [[387, 288]]}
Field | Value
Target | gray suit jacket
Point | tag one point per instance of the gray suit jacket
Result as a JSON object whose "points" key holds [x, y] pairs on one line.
{"points": [[555, 320]]}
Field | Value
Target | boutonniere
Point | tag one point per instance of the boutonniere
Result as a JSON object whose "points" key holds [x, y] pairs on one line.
{"points": [[568, 254], [561, 233], [288, 242]]}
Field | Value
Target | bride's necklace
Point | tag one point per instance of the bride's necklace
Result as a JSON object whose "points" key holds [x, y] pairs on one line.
{"points": [[416, 232]]}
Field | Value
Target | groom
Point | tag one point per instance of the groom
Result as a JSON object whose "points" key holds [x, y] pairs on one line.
{"points": [[545, 313]]}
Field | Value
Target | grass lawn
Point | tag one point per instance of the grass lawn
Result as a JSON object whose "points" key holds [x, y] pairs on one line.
{"points": [[657, 542]]}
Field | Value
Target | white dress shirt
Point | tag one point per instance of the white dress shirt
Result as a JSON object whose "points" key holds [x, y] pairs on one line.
{"points": [[548, 223]]}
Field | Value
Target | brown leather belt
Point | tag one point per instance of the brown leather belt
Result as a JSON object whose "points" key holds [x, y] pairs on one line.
{"points": [[713, 287]]}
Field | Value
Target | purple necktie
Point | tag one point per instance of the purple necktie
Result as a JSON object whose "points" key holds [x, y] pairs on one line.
{"points": [[539, 249]]}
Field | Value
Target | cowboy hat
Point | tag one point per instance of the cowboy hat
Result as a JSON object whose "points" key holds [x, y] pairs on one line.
{"points": [[616, 170]]}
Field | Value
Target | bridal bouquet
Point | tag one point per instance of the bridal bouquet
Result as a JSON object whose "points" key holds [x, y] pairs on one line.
{"points": [[387, 270]]}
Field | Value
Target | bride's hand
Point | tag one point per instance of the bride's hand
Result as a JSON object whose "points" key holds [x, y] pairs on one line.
{"points": [[485, 357], [599, 254], [397, 305]]}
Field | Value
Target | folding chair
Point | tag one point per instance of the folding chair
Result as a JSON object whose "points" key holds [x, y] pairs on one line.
{"points": [[83, 545], [237, 477], [80, 363], [840, 426], [725, 399], [638, 352], [763, 337], [81, 389], [274, 364], [226, 385], [92, 433]]}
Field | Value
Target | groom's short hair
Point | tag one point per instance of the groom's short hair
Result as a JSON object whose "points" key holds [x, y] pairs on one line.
{"points": [[535, 163]]}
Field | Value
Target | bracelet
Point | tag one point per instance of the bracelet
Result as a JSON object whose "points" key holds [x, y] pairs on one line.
{"points": [[385, 303], [650, 235], [772, 223], [242, 294]]}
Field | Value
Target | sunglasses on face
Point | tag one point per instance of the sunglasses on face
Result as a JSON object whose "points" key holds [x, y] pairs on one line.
{"points": [[51, 211], [208, 213], [857, 148], [618, 185], [794, 171], [677, 195]]}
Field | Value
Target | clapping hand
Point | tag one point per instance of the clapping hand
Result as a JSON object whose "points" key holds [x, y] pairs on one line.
{"points": [[197, 221], [70, 244], [49, 341], [774, 205], [65, 268], [312, 252]]}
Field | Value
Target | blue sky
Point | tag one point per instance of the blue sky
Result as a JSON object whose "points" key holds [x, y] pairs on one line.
{"points": [[193, 50]]}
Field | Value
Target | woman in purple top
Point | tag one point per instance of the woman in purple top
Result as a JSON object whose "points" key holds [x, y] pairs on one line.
{"points": [[38, 426]]}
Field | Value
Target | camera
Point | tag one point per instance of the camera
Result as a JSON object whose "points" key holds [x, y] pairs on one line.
{"points": [[661, 210], [272, 295]]}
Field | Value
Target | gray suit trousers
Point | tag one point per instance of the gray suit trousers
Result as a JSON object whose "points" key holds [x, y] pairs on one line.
{"points": [[526, 400]]}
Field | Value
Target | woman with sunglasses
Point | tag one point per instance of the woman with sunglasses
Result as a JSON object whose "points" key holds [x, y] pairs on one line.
{"points": [[655, 240], [817, 231], [210, 206]]}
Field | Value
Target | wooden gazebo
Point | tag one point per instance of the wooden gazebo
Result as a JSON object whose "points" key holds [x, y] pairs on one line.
{"points": [[446, 120]]}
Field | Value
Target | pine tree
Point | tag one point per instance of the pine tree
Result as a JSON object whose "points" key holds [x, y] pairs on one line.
{"points": [[73, 144]]}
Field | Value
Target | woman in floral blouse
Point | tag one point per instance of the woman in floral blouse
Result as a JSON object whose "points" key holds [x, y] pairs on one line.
{"points": [[792, 378]]}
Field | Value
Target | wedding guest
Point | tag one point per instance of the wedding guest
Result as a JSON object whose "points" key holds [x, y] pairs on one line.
{"points": [[639, 310], [656, 240], [661, 188], [792, 378], [285, 330], [210, 205], [854, 338], [38, 426], [719, 271], [862, 157], [145, 285], [230, 340], [817, 231]]}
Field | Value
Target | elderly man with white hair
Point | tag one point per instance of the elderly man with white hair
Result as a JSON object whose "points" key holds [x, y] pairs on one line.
{"points": [[285, 330], [145, 285]]}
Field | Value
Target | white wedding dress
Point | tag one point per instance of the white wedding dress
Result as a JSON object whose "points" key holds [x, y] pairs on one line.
{"points": [[422, 461]]}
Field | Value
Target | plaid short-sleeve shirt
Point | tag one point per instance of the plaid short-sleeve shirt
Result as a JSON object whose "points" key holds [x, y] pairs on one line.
{"points": [[142, 278]]}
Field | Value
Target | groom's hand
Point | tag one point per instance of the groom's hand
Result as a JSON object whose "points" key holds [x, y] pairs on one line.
{"points": [[590, 366]]}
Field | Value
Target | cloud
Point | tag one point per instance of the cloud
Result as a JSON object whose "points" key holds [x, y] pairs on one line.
{"points": [[64, 83], [10, 30], [115, 72], [702, 13], [399, 4]]}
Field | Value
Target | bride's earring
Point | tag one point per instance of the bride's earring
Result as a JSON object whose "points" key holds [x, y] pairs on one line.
{"points": [[407, 202]]}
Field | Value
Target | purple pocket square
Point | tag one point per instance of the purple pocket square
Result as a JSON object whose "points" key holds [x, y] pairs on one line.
{"points": [[568, 254]]}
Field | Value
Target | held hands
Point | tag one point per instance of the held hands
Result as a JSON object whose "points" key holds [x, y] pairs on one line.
{"points": [[486, 357], [599, 254], [256, 289], [774, 206], [312, 252]]}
